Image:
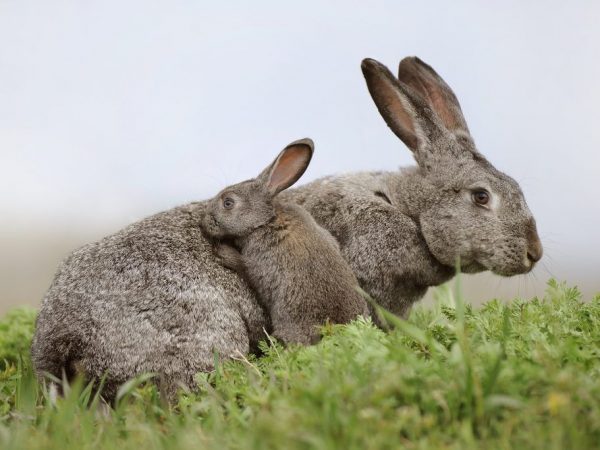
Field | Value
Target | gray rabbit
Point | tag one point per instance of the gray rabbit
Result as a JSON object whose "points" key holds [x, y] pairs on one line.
{"points": [[293, 264], [151, 298], [404, 231]]}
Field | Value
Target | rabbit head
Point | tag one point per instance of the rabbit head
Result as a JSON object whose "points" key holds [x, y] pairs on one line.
{"points": [[467, 210], [241, 208]]}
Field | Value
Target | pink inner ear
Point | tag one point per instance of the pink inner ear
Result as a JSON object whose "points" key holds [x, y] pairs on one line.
{"points": [[289, 168], [441, 105], [392, 103], [435, 95], [394, 109]]}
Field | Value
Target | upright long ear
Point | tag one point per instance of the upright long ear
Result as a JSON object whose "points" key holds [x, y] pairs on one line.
{"points": [[288, 167], [435, 91], [401, 108]]}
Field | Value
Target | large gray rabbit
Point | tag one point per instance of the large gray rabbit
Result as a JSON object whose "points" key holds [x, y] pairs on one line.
{"points": [[294, 265], [404, 231], [150, 298]]}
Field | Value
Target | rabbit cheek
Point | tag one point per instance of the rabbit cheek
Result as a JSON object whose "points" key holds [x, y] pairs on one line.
{"points": [[453, 237], [441, 239]]}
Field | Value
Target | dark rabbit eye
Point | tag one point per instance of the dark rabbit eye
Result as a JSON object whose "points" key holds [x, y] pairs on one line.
{"points": [[481, 197], [228, 203]]}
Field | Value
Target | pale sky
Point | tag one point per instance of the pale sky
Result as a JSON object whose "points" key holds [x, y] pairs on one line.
{"points": [[114, 110]]}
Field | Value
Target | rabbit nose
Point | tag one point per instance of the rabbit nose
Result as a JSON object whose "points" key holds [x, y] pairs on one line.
{"points": [[535, 252], [534, 248]]}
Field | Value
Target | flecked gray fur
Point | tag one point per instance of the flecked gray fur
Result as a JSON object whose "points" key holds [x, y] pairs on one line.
{"points": [[150, 298]]}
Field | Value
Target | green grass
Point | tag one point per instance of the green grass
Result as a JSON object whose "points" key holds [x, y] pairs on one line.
{"points": [[520, 375]]}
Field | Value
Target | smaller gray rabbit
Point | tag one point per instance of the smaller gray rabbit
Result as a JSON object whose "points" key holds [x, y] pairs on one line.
{"points": [[293, 264]]}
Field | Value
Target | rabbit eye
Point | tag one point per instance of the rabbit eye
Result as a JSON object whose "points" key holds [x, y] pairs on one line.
{"points": [[228, 203], [481, 197]]}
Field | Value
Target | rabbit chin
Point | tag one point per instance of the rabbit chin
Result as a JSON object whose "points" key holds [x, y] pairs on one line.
{"points": [[511, 268], [498, 267], [510, 271], [473, 267]]}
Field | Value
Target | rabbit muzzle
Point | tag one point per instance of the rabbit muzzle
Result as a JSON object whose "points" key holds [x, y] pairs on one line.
{"points": [[517, 259], [211, 226], [535, 251]]}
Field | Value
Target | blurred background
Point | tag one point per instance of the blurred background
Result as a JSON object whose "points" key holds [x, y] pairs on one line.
{"points": [[114, 110]]}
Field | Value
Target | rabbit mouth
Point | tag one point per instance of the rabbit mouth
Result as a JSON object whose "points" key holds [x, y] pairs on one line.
{"points": [[473, 267], [515, 267]]}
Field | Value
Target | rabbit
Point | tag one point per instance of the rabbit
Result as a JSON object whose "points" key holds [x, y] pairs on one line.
{"points": [[293, 264], [151, 298], [404, 231]]}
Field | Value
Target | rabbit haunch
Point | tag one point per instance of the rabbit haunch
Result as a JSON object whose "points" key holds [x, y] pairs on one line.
{"points": [[293, 264]]}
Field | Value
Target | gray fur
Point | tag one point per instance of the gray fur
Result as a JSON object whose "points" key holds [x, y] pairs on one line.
{"points": [[403, 231], [294, 265], [150, 298]]}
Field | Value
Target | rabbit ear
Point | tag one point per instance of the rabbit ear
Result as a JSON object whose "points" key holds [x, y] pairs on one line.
{"points": [[402, 109], [423, 79], [288, 167]]}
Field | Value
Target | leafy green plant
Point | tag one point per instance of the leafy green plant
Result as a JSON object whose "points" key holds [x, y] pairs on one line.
{"points": [[16, 332], [507, 375]]}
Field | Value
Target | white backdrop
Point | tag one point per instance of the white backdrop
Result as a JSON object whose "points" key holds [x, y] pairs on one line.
{"points": [[113, 110]]}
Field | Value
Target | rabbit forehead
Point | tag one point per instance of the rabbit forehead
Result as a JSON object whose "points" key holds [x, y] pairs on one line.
{"points": [[242, 188], [474, 173]]}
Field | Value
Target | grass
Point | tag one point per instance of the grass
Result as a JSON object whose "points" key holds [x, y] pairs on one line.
{"points": [[524, 374]]}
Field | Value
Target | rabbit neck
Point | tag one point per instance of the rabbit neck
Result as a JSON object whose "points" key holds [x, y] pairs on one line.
{"points": [[376, 219]]}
